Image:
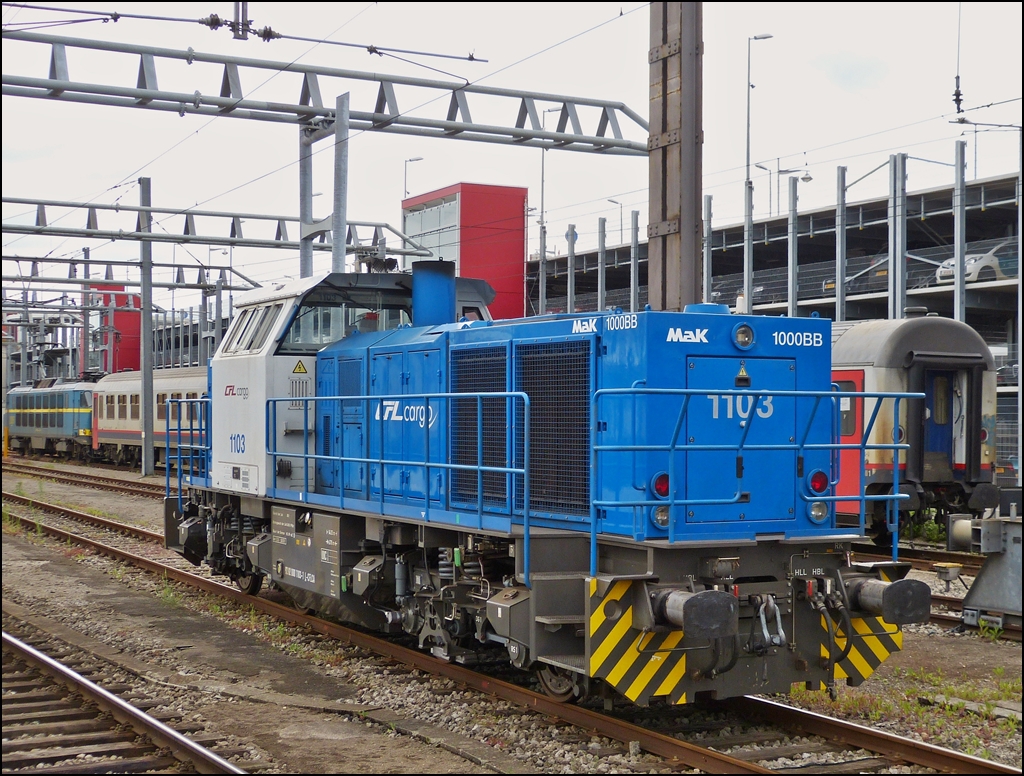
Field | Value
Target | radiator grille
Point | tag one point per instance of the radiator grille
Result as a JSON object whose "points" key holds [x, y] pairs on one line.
{"points": [[479, 371], [556, 377]]}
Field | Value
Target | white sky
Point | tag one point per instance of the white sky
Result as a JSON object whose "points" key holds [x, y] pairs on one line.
{"points": [[837, 84]]}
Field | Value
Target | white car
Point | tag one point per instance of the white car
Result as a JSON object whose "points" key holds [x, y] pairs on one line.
{"points": [[997, 263]]}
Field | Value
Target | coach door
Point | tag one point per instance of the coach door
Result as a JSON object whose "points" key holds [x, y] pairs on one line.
{"points": [[941, 409], [851, 432]]}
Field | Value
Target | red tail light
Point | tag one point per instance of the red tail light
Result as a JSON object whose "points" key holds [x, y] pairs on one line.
{"points": [[661, 485], [819, 482]]}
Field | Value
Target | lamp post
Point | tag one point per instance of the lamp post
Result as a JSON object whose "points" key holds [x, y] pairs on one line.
{"points": [[616, 202], [405, 186], [769, 171], [748, 202]]}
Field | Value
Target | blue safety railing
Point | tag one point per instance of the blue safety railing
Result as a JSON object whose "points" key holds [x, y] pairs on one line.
{"points": [[376, 421], [188, 444], [674, 447]]}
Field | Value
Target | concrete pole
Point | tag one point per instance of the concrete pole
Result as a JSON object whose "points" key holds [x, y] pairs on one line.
{"points": [[110, 332], [706, 283], [959, 230], [86, 298], [305, 204], [634, 261], [1020, 222], [791, 275], [218, 314], [748, 247], [146, 340], [204, 328], [897, 267], [542, 272], [570, 293], [24, 341], [339, 225], [601, 257], [840, 244]]}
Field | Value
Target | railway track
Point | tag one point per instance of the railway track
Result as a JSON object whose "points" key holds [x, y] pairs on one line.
{"points": [[923, 559], [852, 746], [943, 618], [88, 480], [56, 720]]}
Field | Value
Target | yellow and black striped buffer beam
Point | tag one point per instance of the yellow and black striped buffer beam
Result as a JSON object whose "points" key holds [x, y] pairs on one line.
{"points": [[639, 664], [874, 640]]}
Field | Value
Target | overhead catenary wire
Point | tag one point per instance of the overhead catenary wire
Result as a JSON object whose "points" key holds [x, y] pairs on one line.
{"points": [[215, 22]]}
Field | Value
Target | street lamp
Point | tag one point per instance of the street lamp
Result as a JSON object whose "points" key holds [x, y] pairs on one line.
{"points": [[748, 201], [616, 202], [779, 172], [405, 186]]}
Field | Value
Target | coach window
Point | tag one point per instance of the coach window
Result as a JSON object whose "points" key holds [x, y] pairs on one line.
{"points": [[109, 401], [122, 406], [161, 406], [175, 397], [135, 406], [847, 409], [190, 408]]}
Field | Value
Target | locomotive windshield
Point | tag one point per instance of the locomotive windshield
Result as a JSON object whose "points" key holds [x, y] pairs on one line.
{"points": [[327, 315]]}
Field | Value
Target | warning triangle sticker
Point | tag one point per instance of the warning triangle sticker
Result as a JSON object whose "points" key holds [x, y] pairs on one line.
{"points": [[299, 369]]}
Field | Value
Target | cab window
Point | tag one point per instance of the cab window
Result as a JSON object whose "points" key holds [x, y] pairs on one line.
{"points": [[328, 315]]}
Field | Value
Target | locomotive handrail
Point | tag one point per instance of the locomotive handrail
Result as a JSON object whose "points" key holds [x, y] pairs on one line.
{"points": [[418, 399], [196, 443], [755, 396]]}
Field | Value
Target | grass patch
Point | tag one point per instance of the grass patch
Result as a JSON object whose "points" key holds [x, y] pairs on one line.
{"points": [[169, 593]]}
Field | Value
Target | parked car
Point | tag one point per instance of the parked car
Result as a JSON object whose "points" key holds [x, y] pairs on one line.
{"points": [[1008, 374], [1006, 470], [996, 263]]}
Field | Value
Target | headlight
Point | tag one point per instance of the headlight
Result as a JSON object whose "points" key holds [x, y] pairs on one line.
{"points": [[743, 336], [973, 259], [818, 511], [660, 516]]}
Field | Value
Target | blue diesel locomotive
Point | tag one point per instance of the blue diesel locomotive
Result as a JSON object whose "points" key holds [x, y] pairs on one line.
{"points": [[638, 504]]}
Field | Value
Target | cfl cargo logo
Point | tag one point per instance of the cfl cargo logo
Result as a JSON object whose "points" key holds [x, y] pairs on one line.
{"points": [[408, 413], [690, 335], [241, 391], [589, 326]]}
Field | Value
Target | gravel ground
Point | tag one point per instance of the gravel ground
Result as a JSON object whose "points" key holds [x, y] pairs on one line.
{"points": [[934, 663]]}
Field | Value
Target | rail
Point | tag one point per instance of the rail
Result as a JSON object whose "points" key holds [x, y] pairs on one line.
{"points": [[377, 453], [204, 760], [425, 415], [673, 448], [188, 422]]}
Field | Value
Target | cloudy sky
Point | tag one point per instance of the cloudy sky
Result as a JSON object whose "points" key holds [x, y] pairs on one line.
{"points": [[836, 84]]}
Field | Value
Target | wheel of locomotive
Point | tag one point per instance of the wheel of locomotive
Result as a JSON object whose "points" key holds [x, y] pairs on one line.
{"points": [[249, 584], [557, 683]]}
